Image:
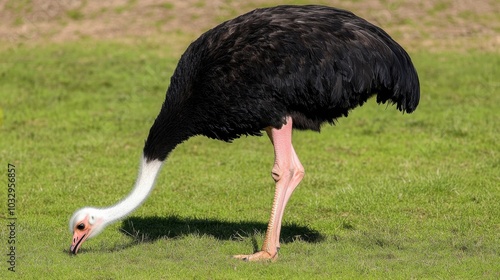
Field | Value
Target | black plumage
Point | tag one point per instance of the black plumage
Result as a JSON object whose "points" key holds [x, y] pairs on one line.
{"points": [[312, 63]]}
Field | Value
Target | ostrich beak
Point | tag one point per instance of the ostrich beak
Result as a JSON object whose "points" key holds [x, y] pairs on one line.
{"points": [[78, 238]]}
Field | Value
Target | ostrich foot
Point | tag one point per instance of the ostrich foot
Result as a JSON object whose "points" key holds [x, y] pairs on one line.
{"points": [[258, 256]]}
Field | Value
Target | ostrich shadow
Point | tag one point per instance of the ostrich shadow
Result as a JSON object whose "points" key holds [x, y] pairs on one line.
{"points": [[150, 229]]}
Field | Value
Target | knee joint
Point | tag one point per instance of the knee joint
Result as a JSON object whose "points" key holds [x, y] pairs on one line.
{"points": [[278, 173]]}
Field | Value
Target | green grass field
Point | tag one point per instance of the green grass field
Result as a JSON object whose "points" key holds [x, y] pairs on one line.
{"points": [[385, 195]]}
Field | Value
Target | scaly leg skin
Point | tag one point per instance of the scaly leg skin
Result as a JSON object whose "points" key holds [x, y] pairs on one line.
{"points": [[287, 173]]}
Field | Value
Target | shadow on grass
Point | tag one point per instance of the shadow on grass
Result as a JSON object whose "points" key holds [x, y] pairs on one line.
{"points": [[149, 229]]}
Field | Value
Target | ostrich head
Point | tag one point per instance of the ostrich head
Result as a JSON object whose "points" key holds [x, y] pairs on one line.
{"points": [[85, 223]]}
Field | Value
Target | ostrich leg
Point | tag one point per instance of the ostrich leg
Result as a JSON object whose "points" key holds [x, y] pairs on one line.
{"points": [[287, 172]]}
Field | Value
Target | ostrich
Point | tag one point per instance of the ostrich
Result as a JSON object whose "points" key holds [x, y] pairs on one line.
{"points": [[273, 70]]}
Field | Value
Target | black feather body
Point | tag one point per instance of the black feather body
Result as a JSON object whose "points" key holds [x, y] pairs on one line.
{"points": [[312, 63]]}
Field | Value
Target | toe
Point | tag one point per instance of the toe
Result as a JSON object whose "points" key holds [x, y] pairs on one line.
{"points": [[258, 256]]}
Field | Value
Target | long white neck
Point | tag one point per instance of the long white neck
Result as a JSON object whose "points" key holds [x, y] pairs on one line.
{"points": [[143, 186]]}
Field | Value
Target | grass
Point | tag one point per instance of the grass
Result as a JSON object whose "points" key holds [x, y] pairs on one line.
{"points": [[75, 14], [385, 195]]}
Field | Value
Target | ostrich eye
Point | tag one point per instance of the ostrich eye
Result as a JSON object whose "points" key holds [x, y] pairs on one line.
{"points": [[80, 226]]}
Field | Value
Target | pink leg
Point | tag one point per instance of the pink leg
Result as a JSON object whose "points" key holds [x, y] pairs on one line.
{"points": [[287, 172]]}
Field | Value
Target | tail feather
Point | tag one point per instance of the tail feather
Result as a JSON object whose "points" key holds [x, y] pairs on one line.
{"points": [[402, 86]]}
